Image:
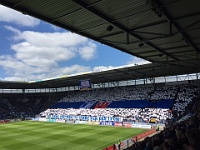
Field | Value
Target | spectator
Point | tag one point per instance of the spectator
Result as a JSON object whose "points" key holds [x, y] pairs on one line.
{"points": [[193, 136]]}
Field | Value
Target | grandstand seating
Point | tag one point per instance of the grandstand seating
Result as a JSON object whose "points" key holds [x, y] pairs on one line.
{"points": [[68, 105], [126, 101], [109, 94], [141, 104], [185, 95], [122, 93], [117, 97], [164, 93], [129, 104], [6, 111]]}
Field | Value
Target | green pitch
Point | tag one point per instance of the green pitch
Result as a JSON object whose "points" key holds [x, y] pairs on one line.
{"points": [[29, 135]]}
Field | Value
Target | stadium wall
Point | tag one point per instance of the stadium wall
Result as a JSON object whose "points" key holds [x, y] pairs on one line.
{"points": [[130, 141], [4, 121], [93, 121]]}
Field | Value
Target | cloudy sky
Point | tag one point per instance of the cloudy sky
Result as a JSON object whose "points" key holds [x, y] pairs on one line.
{"points": [[31, 49]]}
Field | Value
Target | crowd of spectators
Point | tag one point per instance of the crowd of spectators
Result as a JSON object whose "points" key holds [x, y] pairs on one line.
{"points": [[185, 95], [30, 104], [122, 93], [165, 93], [5, 111], [177, 135], [19, 106], [127, 115]]}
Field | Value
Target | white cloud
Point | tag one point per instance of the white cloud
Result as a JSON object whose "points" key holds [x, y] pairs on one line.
{"points": [[64, 39], [17, 67], [12, 16], [88, 52], [14, 30], [137, 61], [14, 79], [42, 56], [18, 71], [37, 55]]}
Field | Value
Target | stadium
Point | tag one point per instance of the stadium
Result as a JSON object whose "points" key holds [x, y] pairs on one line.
{"points": [[154, 106]]}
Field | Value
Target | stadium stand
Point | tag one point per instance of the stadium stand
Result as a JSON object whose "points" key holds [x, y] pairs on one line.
{"points": [[18, 106], [109, 94], [178, 135], [148, 102], [152, 103], [117, 97], [122, 93], [162, 32], [141, 104], [185, 96], [6, 110]]}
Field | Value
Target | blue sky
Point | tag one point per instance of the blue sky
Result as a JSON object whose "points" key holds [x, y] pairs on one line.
{"points": [[31, 49]]}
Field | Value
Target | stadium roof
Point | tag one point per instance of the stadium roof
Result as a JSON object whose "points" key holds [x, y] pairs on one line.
{"points": [[166, 33], [121, 74]]}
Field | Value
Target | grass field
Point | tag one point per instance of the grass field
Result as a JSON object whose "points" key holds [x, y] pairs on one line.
{"points": [[30, 135]]}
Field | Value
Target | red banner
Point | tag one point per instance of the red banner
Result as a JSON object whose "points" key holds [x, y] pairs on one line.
{"points": [[118, 124], [129, 125], [113, 147], [4, 121]]}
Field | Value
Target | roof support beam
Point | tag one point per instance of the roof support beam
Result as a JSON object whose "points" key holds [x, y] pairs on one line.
{"points": [[19, 3], [178, 27], [164, 36], [170, 48], [111, 34], [165, 21], [65, 15], [182, 52], [110, 20], [148, 25]]}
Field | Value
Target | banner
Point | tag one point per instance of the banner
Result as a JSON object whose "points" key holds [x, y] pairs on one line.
{"points": [[113, 147], [4, 121], [70, 121], [107, 123], [80, 122], [129, 125], [92, 122], [42, 119], [118, 124], [35, 119], [141, 126], [85, 85], [51, 120], [85, 118], [60, 120]]}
